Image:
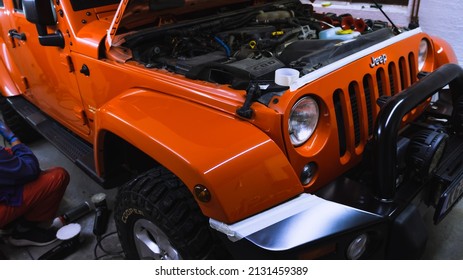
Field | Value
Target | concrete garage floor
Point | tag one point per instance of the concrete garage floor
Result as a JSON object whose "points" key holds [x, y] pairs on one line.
{"points": [[445, 241], [81, 188]]}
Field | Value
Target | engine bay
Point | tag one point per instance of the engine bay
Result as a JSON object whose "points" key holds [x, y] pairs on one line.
{"points": [[250, 43]]}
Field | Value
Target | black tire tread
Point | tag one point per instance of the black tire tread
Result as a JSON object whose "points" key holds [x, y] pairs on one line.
{"points": [[166, 201]]}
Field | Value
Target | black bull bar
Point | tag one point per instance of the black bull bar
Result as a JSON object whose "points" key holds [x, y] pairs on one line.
{"points": [[390, 118]]}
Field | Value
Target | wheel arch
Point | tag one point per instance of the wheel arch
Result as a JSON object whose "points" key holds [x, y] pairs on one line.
{"points": [[120, 160], [245, 171]]}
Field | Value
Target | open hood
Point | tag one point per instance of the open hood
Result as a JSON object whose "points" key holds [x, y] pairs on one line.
{"points": [[134, 15], [235, 42]]}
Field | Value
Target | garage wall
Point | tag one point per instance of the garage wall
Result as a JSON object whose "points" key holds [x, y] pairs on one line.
{"points": [[436, 17], [441, 18]]}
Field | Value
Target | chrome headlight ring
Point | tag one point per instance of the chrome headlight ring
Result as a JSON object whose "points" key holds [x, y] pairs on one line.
{"points": [[303, 120], [423, 52]]}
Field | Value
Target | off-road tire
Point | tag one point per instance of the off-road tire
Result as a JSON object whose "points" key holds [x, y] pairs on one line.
{"points": [[159, 197], [23, 130]]}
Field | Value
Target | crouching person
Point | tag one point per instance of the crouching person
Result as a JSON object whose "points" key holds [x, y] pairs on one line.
{"points": [[29, 196]]}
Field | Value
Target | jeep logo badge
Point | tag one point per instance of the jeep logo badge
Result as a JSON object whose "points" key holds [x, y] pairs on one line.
{"points": [[375, 61]]}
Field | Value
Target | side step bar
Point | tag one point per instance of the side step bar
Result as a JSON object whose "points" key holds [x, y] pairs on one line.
{"points": [[77, 150]]}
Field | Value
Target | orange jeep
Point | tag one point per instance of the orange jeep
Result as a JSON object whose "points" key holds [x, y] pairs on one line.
{"points": [[242, 128]]}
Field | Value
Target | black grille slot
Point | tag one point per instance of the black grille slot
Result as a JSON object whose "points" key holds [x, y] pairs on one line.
{"points": [[355, 111], [380, 81], [366, 89], [413, 68], [392, 78], [358, 101], [403, 73], [340, 121]]}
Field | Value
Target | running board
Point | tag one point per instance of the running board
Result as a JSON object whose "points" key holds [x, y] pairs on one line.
{"points": [[77, 150]]}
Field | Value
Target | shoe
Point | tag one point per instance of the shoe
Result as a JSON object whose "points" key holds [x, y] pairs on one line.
{"points": [[34, 236]]}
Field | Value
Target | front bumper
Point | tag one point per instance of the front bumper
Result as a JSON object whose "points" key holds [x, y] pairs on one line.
{"points": [[302, 220], [326, 222]]}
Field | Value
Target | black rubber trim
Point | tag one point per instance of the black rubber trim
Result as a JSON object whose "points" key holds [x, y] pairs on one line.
{"points": [[76, 149]]}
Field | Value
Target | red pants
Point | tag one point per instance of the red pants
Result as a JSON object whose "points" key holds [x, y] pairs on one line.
{"points": [[41, 198]]}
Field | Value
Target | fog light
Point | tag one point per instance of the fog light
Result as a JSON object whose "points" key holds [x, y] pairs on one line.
{"points": [[357, 247], [426, 150], [308, 173]]}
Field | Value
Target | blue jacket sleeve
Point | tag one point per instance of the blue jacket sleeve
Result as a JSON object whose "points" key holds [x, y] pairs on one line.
{"points": [[19, 167]]}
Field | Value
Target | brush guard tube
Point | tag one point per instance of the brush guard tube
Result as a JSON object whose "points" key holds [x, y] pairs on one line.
{"points": [[390, 118]]}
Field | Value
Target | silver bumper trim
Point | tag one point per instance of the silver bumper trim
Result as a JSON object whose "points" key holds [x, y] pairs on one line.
{"points": [[301, 220]]}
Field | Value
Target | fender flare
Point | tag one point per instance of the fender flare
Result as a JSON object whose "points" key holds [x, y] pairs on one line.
{"points": [[444, 53], [244, 170]]}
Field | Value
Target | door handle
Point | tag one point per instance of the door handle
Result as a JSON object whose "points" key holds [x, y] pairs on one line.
{"points": [[13, 33]]}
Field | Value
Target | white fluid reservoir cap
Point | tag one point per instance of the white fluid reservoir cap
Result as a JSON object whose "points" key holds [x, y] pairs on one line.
{"points": [[286, 76]]}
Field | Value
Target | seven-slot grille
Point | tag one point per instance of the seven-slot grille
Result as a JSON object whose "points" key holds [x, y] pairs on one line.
{"points": [[355, 106]]}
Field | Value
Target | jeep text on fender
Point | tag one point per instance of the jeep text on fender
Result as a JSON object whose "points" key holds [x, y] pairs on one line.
{"points": [[177, 103]]}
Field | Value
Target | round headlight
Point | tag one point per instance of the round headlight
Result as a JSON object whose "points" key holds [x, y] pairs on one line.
{"points": [[422, 54], [303, 120]]}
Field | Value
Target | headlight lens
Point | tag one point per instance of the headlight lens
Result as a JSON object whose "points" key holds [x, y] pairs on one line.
{"points": [[422, 54], [303, 120]]}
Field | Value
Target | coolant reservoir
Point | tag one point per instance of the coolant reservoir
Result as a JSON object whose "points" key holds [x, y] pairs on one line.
{"points": [[337, 33]]}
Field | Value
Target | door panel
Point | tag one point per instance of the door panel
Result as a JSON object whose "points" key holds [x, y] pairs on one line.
{"points": [[48, 72], [6, 43]]}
